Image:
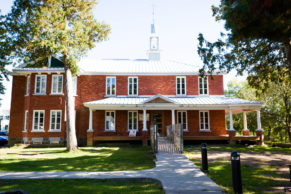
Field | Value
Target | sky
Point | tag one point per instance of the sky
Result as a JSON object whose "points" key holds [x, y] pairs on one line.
{"points": [[178, 23]]}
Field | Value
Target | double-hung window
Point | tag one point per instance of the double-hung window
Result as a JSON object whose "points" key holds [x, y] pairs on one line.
{"points": [[132, 120], [110, 86], [40, 84], [57, 84], [132, 86], [204, 121], [55, 120], [109, 121], [38, 120], [203, 85], [181, 85], [25, 121], [27, 85], [182, 119]]}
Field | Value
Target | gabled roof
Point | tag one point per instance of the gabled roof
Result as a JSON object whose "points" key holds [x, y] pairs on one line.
{"points": [[158, 99]]}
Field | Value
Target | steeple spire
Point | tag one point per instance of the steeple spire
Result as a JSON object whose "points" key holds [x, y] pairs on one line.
{"points": [[154, 52]]}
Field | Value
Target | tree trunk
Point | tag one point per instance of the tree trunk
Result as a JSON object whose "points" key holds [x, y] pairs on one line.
{"points": [[70, 111], [287, 47]]}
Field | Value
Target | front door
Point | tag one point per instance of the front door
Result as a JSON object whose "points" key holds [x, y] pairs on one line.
{"points": [[157, 119]]}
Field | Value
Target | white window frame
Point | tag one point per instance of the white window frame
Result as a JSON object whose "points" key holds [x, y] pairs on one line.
{"points": [[75, 85], [184, 129], [55, 124], [27, 85], [132, 120], [110, 94], [110, 130], [133, 87], [181, 77], [203, 85], [33, 127], [25, 121], [204, 129], [35, 86], [52, 88]]}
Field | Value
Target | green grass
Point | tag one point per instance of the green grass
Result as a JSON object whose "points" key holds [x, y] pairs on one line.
{"points": [[88, 186], [239, 148], [85, 159], [254, 180]]}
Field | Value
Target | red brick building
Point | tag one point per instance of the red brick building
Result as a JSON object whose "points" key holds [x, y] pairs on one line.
{"points": [[113, 97]]}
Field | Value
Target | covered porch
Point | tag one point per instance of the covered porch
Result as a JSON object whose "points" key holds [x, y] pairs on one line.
{"points": [[203, 118]]}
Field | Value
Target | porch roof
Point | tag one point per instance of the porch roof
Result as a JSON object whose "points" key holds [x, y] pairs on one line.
{"points": [[170, 102]]}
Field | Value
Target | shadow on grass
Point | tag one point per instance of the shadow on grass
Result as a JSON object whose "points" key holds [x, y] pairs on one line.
{"points": [[105, 159]]}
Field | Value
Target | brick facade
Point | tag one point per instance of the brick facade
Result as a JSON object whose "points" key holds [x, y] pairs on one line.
{"points": [[92, 87]]}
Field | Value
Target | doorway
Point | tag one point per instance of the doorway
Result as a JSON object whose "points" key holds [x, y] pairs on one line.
{"points": [[157, 119]]}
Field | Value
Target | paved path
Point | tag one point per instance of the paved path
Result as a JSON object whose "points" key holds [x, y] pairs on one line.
{"points": [[176, 173]]}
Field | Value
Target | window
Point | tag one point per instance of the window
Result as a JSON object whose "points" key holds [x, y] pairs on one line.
{"points": [[27, 85], [38, 120], [203, 85], [109, 121], [181, 85], [57, 84], [110, 86], [40, 84], [55, 121], [182, 119], [132, 120], [132, 86], [74, 80], [25, 121], [204, 121]]}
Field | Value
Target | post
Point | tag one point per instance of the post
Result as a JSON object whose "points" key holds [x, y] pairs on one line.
{"points": [[144, 130], [144, 120], [246, 132], [231, 131], [90, 132], [236, 172], [290, 172], [259, 130], [204, 159], [173, 117]]}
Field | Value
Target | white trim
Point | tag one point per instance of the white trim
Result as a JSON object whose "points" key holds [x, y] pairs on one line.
{"points": [[132, 87], [27, 85], [55, 124], [208, 129], [108, 130], [75, 85], [25, 121], [110, 77], [52, 86], [186, 129], [203, 86], [35, 82], [181, 77], [158, 96], [144, 120], [38, 130], [128, 129]]}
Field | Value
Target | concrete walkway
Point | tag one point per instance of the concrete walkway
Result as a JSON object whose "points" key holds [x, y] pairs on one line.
{"points": [[176, 173]]}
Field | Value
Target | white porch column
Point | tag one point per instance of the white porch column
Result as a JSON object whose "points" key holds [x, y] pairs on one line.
{"points": [[245, 121], [144, 120], [230, 121], [90, 121], [259, 121], [173, 117]]}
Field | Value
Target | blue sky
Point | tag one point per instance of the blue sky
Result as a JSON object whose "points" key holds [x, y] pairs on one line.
{"points": [[178, 23]]}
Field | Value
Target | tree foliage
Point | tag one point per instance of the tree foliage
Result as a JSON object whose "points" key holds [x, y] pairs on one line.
{"points": [[41, 28], [257, 39]]}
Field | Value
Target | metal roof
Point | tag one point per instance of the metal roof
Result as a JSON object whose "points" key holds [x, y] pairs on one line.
{"points": [[177, 101]]}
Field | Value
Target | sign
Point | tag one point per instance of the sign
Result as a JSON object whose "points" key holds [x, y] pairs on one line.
{"points": [[132, 133]]}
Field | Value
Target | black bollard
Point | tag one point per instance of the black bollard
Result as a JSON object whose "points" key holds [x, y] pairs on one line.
{"points": [[204, 157], [290, 172], [236, 172]]}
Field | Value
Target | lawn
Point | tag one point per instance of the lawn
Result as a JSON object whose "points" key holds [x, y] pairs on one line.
{"points": [[107, 158], [55, 186], [267, 177]]}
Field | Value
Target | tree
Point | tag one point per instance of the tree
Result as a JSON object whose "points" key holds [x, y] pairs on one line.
{"points": [[43, 28], [257, 39]]}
